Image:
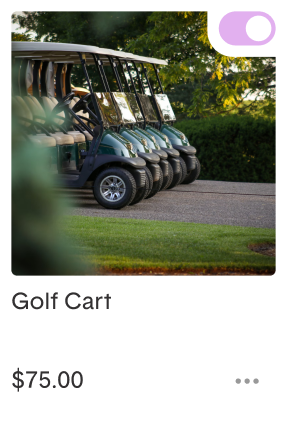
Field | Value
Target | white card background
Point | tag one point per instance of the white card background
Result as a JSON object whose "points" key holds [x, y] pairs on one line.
{"points": [[169, 348]]}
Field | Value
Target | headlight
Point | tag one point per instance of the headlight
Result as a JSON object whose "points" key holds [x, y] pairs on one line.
{"points": [[132, 148], [144, 142], [167, 140], [155, 142], [182, 136]]}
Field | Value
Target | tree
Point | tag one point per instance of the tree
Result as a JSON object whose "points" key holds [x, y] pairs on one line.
{"points": [[104, 29], [201, 81], [20, 37]]}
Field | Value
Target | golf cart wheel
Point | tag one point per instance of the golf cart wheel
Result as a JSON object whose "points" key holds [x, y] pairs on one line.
{"points": [[176, 179], [149, 181], [114, 188], [183, 168], [142, 192], [168, 179], [156, 186], [193, 174]]}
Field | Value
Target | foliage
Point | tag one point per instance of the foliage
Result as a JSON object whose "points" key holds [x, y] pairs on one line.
{"points": [[201, 81], [254, 108], [233, 148], [38, 246], [20, 37], [104, 29], [129, 243]]}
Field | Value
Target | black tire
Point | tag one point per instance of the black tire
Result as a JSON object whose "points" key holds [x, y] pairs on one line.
{"points": [[168, 179], [149, 179], [141, 193], [183, 168], [156, 185], [176, 179], [127, 192], [193, 174]]}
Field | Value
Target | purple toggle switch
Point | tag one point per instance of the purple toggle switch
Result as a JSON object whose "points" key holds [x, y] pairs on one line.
{"points": [[232, 28]]}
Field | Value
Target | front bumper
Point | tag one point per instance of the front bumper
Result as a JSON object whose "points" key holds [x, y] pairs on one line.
{"points": [[152, 158], [161, 153], [189, 150]]}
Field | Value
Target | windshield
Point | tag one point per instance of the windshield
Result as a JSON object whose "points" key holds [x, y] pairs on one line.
{"points": [[107, 109], [148, 109], [165, 107], [135, 107], [124, 108]]}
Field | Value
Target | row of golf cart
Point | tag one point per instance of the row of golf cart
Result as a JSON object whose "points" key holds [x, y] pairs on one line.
{"points": [[118, 141]]}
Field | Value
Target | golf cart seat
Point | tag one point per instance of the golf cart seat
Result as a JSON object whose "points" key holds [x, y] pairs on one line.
{"points": [[37, 114], [36, 109], [43, 140], [49, 104], [21, 110], [80, 113], [88, 135]]}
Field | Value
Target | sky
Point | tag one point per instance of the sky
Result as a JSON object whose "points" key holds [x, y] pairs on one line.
{"points": [[15, 25], [14, 28]]}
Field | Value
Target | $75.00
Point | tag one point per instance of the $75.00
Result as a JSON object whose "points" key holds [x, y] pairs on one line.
{"points": [[64, 379]]}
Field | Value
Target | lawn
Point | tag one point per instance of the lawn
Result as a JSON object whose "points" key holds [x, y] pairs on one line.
{"points": [[120, 243]]}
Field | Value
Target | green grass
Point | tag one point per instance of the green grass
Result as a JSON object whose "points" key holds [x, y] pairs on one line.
{"points": [[128, 243]]}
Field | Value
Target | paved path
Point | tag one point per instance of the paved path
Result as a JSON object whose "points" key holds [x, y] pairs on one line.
{"points": [[207, 202]]}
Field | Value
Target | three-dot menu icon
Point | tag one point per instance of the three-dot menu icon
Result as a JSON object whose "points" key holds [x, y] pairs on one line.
{"points": [[247, 381]]}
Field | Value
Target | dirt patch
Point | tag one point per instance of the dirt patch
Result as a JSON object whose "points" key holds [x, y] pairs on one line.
{"points": [[185, 272], [268, 249]]}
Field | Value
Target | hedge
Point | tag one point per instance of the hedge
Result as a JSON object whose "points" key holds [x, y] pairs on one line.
{"points": [[233, 148]]}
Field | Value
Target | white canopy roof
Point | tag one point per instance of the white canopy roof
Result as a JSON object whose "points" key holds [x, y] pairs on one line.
{"points": [[67, 53], [130, 56]]}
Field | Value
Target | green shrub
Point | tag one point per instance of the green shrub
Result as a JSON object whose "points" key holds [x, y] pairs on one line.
{"points": [[233, 148]]}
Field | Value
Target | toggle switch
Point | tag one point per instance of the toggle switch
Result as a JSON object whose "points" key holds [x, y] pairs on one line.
{"points": [[247, 28]]}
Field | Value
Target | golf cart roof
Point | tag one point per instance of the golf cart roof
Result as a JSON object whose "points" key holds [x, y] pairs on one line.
{"points": [[56, 52], [141, 59], [61, 53]]}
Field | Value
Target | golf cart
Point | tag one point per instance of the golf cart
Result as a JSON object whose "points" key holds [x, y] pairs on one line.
{"points": [[118, 116], [111, 166], [122, 110], [166, 118], [169, 157], [112, 124]]}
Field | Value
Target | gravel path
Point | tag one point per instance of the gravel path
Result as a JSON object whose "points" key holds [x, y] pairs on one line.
{"points": [[207, 202]]}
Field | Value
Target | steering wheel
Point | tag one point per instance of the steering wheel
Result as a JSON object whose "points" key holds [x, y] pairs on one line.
{"points": [[63, 103], [81, 104]]}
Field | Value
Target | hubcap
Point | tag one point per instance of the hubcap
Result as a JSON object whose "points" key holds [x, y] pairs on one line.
{"points": [[112, 188]]}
